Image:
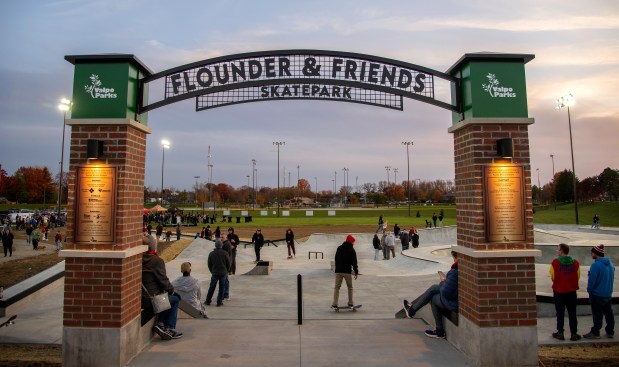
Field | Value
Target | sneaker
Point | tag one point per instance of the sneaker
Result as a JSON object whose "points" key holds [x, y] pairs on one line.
{"points": [[220, 304], [350, 305], [610, 336], [175, 334], [162, 332], [575, 337], [558, 336], [435, 334], [590, 335], [334, 307], [409, 309], [207, 303], [226, 298]]}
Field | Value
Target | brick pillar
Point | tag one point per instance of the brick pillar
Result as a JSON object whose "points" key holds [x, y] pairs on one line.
{"points": [[496, 280], [103, 282]]}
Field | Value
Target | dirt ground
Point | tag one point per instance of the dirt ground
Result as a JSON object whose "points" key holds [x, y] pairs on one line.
{"points": [[21, 355]]}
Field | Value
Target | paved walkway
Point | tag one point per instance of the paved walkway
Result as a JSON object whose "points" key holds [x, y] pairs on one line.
{"points": [[259, 323]]}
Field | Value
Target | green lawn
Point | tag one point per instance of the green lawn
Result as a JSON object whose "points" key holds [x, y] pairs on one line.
{"points": [[564, 214]]}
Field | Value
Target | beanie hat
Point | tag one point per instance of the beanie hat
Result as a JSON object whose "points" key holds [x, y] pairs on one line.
{"points": [[598, 250], [185, 267], [218, 243], [150, 241], [350, 239]]}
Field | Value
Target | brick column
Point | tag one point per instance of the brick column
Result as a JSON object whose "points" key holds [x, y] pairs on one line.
{"points": [[496, 280], [103, 282]]}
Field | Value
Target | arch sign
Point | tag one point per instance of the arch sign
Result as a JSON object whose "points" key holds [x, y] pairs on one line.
{"points": [[478, 85], [300, 74]]}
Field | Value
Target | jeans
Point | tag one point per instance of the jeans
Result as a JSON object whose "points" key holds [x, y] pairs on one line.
{"points": [[425, 297], [376, 252], [437, 306], [290, 246], [227, 288], [215, 279], [601, 307], [257, 251], [338, 283], [168, 317], [233, 265], [563, 301]]}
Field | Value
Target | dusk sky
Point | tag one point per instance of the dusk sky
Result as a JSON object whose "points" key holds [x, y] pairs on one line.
{"points": [[575, 43]]}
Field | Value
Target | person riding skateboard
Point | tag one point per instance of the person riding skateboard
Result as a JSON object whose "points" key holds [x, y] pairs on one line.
{"points": [[345, 262]]}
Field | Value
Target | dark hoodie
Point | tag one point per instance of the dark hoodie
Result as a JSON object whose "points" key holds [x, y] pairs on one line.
{"points": [[346, 259], [154, 275]]}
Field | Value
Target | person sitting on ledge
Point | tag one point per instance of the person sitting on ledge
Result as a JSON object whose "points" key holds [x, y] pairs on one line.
{"points": [[155, 280], [442, 296], [188, 288]]}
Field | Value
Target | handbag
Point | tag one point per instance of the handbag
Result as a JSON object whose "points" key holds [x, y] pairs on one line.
{"points": [[160, 302]]}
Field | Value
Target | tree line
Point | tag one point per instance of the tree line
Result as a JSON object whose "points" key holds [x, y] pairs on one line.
{"points": [[604, 186], [35, 184]]}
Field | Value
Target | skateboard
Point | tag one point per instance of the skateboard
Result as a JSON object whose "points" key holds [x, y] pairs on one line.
{"points": [[351, 308], [10, 321]]}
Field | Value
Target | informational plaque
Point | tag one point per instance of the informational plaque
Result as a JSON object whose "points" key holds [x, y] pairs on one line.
{"points": [[95, 215], [504, 203]]}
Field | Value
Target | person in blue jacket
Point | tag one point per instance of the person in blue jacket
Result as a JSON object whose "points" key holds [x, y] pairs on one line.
{"points": [[442, 296], [600, 288]]}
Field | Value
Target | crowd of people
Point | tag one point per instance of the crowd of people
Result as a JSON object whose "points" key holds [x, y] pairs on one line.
{"points": [[442, 297]]}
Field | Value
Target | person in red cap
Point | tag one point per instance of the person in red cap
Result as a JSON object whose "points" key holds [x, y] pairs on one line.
{"points": [[345, 268]]}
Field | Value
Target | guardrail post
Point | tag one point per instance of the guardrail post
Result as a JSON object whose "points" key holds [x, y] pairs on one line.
{"points": [[299, 299]]}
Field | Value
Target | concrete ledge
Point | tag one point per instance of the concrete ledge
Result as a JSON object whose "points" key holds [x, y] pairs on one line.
{"points": [[495, 253], [261, 268], [546, 304], [83, 346], [110, 121], [22, 293], [104, 254], [486, 346]]}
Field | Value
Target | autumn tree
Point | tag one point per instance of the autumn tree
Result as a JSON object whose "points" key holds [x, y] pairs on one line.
{"points": [[34, 185]]}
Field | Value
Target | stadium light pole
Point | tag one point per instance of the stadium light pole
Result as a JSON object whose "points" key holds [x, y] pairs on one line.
{"points": [[253, 179], [345, 185], [165, 144], [408, 174], [567, 101], [278, 144], [64, 106], [197, 178], [552, 157]]}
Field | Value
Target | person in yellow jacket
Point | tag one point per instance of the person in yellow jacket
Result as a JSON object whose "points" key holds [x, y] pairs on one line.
{"points": [[565, 274]]}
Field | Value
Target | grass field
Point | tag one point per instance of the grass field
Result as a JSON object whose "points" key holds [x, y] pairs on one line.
{"points": [[564, 214]]}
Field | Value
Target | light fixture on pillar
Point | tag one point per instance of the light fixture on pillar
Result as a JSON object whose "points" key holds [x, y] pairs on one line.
{"points": [[505, 148], [94, 148]]}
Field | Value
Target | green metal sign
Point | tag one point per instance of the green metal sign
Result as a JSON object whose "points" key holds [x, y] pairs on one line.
{"points": [[107, 87], [492, 86]]}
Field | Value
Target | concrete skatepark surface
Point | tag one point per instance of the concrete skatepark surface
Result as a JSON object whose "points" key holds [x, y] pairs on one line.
{"points": [[258, 325]]}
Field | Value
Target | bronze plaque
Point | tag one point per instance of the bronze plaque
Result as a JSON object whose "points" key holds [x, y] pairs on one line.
{"points": [[95, 212], [504, 203]]}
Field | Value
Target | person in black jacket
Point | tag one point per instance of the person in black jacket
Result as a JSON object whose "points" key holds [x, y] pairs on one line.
{"points": [[234, 242], [290, 243], [345, 263], [155, 280], [219, 266], [258, 240]]}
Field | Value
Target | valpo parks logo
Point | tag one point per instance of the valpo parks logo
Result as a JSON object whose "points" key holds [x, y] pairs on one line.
{"points": [[496, 90], [97, 90]]}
